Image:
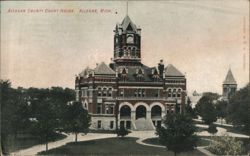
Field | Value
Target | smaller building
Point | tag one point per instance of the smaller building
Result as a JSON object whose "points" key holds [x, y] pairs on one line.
{"points": [[229, 86]]}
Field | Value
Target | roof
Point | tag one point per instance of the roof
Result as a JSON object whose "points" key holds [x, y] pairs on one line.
{"points": [[133, 70], [229, 78], [126, 22], [171, 70], [85, 71], [103, 69]]}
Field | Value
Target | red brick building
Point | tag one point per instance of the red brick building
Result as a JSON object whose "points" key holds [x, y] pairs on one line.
{"points": [[127, 92]]}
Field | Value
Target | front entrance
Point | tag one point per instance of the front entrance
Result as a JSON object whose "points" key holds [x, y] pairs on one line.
{"points": [[141, 112], [156, 112], [125, 112]]}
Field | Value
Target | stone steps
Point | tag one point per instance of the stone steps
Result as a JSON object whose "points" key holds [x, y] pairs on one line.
{"points": [[142, 124]]}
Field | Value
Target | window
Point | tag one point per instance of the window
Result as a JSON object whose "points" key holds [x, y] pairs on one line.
{"points": [[99, 124], [111, 124], [135, 94], [99, 92], [99, 108], [110, 92], [179, 95], [169, 93], [128, 124], [157, 93], [104, 93], [143, 93], [122, 92], [111, 109]]}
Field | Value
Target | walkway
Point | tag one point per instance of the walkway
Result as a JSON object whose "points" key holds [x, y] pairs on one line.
{"points": [[141, 135]]}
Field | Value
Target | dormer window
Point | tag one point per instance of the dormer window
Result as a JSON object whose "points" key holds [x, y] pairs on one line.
{"points": [[139, 74], [124, 72], [155, 75]]}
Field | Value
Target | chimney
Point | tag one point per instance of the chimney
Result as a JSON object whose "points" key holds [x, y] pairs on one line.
{"points": [[161, 68]]}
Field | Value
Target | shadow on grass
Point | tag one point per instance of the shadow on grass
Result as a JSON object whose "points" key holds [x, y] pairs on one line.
{"points": [[23, 141], [111, 146], [155, 141]]}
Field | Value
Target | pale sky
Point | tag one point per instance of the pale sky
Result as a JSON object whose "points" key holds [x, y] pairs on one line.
{"points": [[201, 38]]}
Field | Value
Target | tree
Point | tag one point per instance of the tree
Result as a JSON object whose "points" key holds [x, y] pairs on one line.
{"points": [[122, 131], [7, 107], [76, 119], [238, 110], [189, 110], [177, 134], [206, 109], [225, 145], [45, 123], [221, 107], [212, 129]]}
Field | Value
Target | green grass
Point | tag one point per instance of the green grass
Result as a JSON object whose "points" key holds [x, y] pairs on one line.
{"points": [[23, 141], [112, 146], [155, 141]]}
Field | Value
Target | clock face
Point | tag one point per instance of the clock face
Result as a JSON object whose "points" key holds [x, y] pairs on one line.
{"points": [[130, 38]]}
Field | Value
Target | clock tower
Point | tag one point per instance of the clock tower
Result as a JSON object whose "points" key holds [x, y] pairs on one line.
{"points": [[127, 42]]}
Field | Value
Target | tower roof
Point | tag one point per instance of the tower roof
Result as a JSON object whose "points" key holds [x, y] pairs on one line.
{"points": [[229, 78], [126, 22], [103, 69], [171, 70]]}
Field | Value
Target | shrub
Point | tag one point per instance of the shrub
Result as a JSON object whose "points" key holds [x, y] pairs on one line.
{"points": [[225, 145]]}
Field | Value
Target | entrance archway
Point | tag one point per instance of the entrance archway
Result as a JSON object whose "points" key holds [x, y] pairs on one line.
{"points": [[141, 112], [156, 111], [125, 112]]}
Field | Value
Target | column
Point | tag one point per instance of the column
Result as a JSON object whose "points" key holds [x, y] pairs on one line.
{"points": [[132, 116], [148, 115]]}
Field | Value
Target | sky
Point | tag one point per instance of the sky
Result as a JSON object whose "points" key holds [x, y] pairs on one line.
{"points": [[203, 39]]}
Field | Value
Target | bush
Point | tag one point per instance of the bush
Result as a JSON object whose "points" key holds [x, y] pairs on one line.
{"points": [[212, 129], [225, 145], [122, 132]]}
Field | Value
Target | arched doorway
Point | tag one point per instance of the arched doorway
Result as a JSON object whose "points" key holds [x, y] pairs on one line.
{"points": [[156, 111], [141, 112], [125, 112]]}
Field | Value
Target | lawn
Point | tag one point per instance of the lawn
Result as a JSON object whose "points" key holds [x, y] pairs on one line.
{"points": [[23, 141], [113, 146], [155, 141]]}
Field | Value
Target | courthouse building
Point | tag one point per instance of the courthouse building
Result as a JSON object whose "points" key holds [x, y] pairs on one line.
{"points": [[126, 92]]}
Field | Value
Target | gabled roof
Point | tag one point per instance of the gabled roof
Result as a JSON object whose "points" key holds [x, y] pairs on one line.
{"points": [[229, 78], [127, 22], [103, 69], [170, 70]]}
